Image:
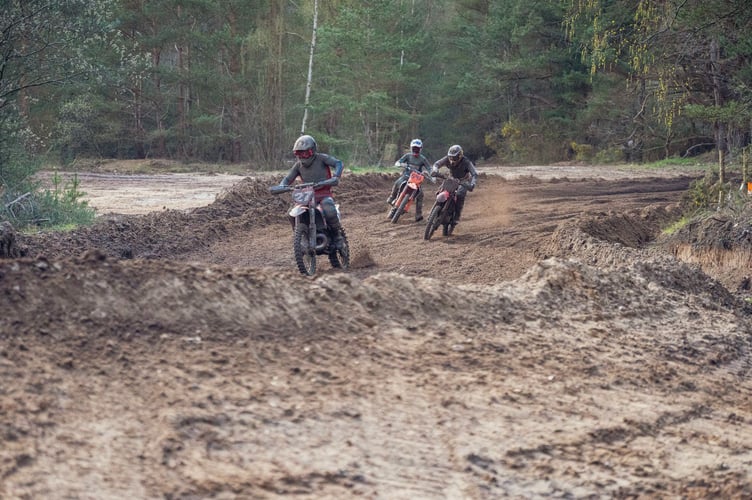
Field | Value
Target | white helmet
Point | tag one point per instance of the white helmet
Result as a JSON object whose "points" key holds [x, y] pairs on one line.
{"points": [[416, 146]]}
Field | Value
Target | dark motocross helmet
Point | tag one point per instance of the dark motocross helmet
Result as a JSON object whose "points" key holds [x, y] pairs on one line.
{"points": [[455, 154], [304, 149]]}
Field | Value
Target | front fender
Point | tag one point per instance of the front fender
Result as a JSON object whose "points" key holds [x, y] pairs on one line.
{"points": [[297, 210]]}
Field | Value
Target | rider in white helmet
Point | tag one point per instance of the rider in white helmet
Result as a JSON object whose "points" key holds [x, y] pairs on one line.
{"points": [[417, 161]]}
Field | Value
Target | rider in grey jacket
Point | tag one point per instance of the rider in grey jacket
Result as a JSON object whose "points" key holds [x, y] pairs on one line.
{"points": [[417, 161], [462, 169], [316, 167]]}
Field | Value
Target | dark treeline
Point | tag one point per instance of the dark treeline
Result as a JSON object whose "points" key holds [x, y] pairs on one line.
{"points": [[518, 80]]}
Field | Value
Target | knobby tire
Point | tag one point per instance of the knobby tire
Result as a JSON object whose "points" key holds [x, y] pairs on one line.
{"points": [[433, 221], [401, 208], [305, 259]]}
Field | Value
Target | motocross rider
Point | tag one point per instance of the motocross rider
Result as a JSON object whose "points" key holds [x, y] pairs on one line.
{"points": [[316, 167], [462, 169], [417, 161]]}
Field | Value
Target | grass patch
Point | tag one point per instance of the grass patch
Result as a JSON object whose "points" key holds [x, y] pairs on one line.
{"points": [[373, 170], [33, 206], [687, 164], [151, 166], [676, 226]]}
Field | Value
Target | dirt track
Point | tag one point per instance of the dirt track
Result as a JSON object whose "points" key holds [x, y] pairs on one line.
{"points": [[553, 347]]}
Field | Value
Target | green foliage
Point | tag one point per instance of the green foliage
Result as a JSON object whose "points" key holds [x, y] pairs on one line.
{"points": [[28, 204], [700, 57], [63, 205], [377, 95], [23, 200], [371, 169], [706, 192], [676, 226], [609, 155], [582, 152], [676, 161], [225, 80], [734, 113]]}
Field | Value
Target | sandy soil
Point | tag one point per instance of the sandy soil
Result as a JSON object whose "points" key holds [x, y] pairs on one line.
{"points": [[557, 345]]}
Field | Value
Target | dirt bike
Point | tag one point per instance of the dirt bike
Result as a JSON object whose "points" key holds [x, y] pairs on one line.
{"points": [[311, 234], [408, 191], [443, 210]]}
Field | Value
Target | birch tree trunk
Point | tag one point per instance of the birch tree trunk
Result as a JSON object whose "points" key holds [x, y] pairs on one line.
{"points": [[720, 126], [310, 65]]}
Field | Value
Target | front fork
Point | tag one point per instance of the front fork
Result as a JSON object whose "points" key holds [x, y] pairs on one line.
{"points": [[312, 230]]}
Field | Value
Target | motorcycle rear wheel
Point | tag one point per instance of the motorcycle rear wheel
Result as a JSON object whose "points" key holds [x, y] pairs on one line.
{"points": [[340, 258], [305, 256], [434, 219]]}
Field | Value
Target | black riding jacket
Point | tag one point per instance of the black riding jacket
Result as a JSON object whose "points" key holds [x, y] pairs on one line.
{"points": [[464, 170]]}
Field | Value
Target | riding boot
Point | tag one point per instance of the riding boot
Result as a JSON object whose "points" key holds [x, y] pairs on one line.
{"points": [[339, 238], [458, 208], [419, 209], [393, 195]]}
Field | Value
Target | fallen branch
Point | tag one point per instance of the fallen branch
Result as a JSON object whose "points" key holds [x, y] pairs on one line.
{"points": [[22, 197]]}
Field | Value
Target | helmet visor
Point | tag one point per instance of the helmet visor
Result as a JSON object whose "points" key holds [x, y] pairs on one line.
{"points": [[303, 154]]}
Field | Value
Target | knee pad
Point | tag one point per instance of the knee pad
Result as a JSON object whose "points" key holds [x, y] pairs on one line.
{"points": [[330, 211]]}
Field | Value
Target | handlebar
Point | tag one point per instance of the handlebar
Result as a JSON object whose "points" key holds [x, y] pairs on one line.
{"points": [[464, 183], [279, 189], [409, 167]]}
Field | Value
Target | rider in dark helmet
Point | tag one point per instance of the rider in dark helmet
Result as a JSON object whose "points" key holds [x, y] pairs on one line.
{"points": [[312, 166], [462, 169], [419, 162]]}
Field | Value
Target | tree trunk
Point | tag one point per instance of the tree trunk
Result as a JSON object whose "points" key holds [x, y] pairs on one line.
{"points": [[719, 126], [310, 65], [161, 145]]}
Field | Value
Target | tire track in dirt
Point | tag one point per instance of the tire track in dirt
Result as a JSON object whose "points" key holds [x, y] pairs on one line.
{"points": [[494, 378]]}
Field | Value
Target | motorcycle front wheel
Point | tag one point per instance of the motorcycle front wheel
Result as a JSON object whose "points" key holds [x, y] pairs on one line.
{"points": [[391, 212], [305, 256], [434, 220], [401, 207]]}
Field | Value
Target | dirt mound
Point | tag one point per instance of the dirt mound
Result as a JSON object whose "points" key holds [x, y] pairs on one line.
{"points": [[720, 244], [172, 233]]}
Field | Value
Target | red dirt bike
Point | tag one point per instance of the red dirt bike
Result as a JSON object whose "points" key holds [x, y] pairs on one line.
{"points": [[443, 210], [311, 234], [408, 191]]}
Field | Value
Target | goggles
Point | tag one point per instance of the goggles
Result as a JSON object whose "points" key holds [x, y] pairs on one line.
{"points": [[303, 154]]}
